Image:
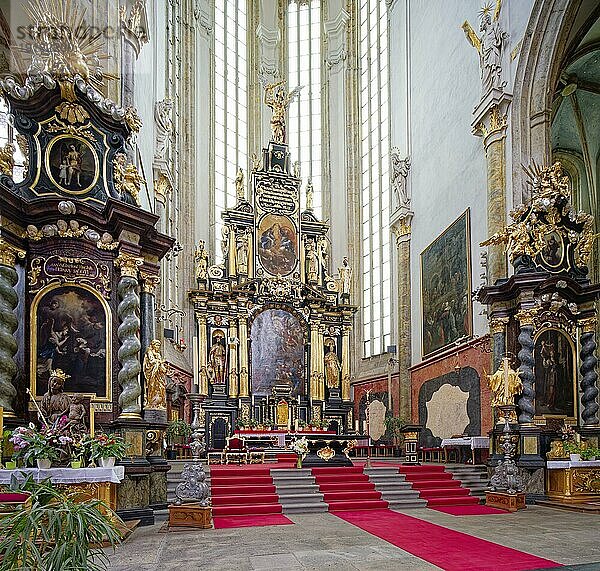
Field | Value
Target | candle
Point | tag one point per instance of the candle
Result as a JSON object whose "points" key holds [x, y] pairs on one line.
{"points": [[298, 399], [506, 365], [356, 425], [195, 364], [296, 425], [92, 420]]}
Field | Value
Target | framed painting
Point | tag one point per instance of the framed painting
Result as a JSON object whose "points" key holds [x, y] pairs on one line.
{"points": [[277, 244], [446, 287], [70, 327], [72, 164]]}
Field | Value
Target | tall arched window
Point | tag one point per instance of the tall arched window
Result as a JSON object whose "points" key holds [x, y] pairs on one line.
{"points": [[230, 105], [375, 190]]}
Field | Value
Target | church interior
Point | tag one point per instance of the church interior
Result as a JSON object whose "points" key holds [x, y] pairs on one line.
{"points": [[305, 284]]}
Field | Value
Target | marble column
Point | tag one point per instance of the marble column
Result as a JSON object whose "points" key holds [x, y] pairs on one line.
{"points": [[589, 375], [346, 362], [527, 363], [490, 123], [233, 361], [128, 311], [202, 354], [498, 333], [8, 324], [243, 350], [147, 301]]}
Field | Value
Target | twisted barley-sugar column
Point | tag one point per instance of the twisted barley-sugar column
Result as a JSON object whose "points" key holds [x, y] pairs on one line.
{"points": [[526, 368], [128, 311], [589, 376], [8, 324]]}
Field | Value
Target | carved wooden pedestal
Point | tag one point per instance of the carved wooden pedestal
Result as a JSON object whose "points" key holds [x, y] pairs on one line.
{"points": [[505, 501], [190, 515]]}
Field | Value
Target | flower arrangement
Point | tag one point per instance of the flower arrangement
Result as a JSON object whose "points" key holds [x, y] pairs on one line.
{"points": [[584, 450], [300, 447], [178, 429], [106, 446], [31, 444]]}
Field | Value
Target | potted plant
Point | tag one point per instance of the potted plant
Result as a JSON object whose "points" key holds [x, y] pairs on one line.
{"points": [[302, 424], [589, 453], [56, 530], [177, 432], [241, 423], [40, 446], [107, 448]]}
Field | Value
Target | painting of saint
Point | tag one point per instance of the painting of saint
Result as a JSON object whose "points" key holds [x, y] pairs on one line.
{"points": [[446, 287], [277, 352], [71, 164], [277, 244], [553, 374], [70, 323], [552, 252]]}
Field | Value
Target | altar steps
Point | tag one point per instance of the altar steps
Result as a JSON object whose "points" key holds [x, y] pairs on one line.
{"points": [[394, 488], [473, 477], [437, 487], [298, 492]]}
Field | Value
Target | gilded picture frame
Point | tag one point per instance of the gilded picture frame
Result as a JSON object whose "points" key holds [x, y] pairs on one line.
{"points": [[446, 304]]}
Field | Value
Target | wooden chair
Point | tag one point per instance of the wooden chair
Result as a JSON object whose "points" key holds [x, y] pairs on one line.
{"points": [[236, 451]]}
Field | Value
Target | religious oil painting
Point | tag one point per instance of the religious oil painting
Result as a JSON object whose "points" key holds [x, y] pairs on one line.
{"points": [[71, 334], [552, 252], [277, 244], [446, 287], [277, 352], [71, 164], [554, 374]]}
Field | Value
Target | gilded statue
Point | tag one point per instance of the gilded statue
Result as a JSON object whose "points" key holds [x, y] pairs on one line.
{"points": [[126, 178], [201, 262], [312, 262], [216, 361], [240, 188], [55, 403], [332, 367], [557, 450], [156, 370], [7, 159], [278, 100], [505, 384]]}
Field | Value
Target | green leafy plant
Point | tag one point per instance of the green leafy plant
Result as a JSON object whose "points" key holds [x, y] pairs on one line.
{"points": [[56, 531], [108, 446], [393, 429], [589, 452], [302, 423], [242, 423], [586, 451], [31, 444], [178, 429]]}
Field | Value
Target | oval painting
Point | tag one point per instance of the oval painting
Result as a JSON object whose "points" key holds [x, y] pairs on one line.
{"points": [[552, 252], [277, 245], [71, 164]]}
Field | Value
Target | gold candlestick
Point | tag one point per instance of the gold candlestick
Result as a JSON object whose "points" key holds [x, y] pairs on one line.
{"points": [[1, 435]]}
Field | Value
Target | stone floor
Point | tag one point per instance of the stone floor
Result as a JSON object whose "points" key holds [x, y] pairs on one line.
{"points": [[323, 541]]}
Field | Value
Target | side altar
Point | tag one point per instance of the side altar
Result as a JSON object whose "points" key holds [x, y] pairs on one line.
{"points": [[273, 324]]}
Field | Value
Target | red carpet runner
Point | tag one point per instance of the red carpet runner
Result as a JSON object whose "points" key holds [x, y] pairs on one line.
{"points": [[243, 491], [250, 521], [469, 510], [448, 549], [347, 488], [437, 486]]}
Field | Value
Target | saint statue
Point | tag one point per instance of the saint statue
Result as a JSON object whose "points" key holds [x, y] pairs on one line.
{"points": [[278, 100], [155, 373], [312, 263], [55, 403], [201, 262], [163, 122], [309, 195], [216, 361], [242, 253], [76, 419], [240, 189], [505, 384], [345, 277], [400, 169], [332, 367]]}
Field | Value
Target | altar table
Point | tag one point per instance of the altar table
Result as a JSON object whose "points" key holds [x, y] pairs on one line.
{"points": [[573, 482], [97, 483], [472, 442], [281, 434]]}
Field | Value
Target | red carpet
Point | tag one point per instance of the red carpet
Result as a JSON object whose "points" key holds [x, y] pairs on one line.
{"points": [[251, 521], [469, 510], [437, 486], [347, 488], [448, 549]]}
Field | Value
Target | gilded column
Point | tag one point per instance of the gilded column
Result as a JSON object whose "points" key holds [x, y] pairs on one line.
{"points": [[321, 362], [128, 331], [314, 361], [8, 324], [243, 349], [527, 363], [589, 376], [346, 362], [233, 361], [202, 353], [498, 333], [232, 257], [250, 255]]}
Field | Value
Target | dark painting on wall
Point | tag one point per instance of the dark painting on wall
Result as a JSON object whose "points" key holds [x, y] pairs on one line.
{"points": [[71, 328], [554, 374], [446, 287], [277, 352], [277, 244], [72, 164]]}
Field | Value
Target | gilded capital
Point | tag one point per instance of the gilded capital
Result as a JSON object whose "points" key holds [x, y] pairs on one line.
{"points": [[128, 264], [9, 254], [588, 325], [526, 316], [149, 282], [498, 324]]}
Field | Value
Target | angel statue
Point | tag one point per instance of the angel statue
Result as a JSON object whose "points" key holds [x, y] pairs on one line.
{"points": [[489, 46], [505, 383], [278, 100]]}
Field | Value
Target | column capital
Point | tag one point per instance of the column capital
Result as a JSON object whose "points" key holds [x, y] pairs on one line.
{"points": [[490, 116], [149, 282], [401, 226], [588, 325], [498, 324], [526, 316], [128, 264], [9, 254]]}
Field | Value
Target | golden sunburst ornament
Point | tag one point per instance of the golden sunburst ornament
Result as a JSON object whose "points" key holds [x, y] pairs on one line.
{"points": [[61, 44]]}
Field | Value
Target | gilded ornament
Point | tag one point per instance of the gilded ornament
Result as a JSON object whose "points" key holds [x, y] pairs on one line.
{"points": [[107, 242], [9, 254], [588, 325], [7, 159], [498, 324], [201, 262], [255, 163], [557, 450], [162, 188], [155, 370], [527, 316], [505, 384], [126, 178], [149, 282], [586, 481], [128, 264], [326, 453], [132, 119], [72, 112]]}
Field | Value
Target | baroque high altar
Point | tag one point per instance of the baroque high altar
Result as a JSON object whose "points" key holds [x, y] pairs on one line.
{"points": [[273, 326]]}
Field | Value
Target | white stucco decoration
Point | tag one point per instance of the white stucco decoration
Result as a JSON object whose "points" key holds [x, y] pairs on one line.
{"points": [[447, 411]]}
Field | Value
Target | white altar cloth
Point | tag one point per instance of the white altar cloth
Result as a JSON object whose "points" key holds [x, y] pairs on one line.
{"points": [[557, 464], [472, 442], [66, 475]]}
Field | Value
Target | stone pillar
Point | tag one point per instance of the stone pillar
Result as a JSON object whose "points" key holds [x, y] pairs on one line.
{"points": [[346, 362], [128, 311], [314, 361], [8, 324], [233, 361], [202, 354], [147, 300], [498, 333], [243, 349], [490, 123], [527, 363], [589, 375], [402, 231]]}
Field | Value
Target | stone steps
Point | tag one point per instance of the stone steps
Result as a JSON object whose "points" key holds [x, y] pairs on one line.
{"points": [[394, 488], [473, 477], [297, 491]]}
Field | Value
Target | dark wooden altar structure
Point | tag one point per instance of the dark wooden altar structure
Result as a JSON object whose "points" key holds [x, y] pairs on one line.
{"points": [[79, 261], [273, 325], [544, 318]]}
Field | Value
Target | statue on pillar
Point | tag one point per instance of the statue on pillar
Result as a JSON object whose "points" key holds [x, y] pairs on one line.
{"points": [[332, 366], [201, 262], [242, 253], [156, 370], [216, 360], [345, 277], [312, 262], [240, 188], [505, 384], [278, 100]]}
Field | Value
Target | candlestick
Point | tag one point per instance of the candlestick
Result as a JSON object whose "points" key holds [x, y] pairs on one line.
{"points": [[1, 435], [92, 420], [195, 364]]}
